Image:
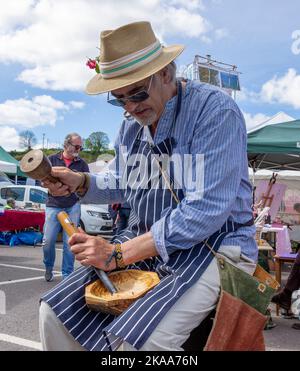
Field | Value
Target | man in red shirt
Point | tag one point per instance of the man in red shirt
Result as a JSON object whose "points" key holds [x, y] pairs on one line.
{"points": [[69, 157]]}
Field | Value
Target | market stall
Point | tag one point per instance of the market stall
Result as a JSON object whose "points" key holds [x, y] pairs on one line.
{"points": [[275, 147], [16, 220]]}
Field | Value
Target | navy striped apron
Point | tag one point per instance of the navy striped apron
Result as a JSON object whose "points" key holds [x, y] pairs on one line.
{"points": [[97, 331]]}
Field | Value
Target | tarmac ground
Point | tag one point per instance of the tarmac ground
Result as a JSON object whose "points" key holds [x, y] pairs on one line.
{"points": [[22, 284]]}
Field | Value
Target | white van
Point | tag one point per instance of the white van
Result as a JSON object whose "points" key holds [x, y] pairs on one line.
{"points": [[95, 219], [25, 196]]}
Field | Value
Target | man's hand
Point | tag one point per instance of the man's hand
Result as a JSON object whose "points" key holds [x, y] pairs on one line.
{"points": [[68, 182], [91, 250]]}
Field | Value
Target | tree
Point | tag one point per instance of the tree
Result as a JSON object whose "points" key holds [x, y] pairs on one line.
{"points": [[97, 141], [27, 139]]}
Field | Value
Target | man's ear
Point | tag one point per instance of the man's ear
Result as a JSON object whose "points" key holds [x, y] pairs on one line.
{"points": [[165, 75]]}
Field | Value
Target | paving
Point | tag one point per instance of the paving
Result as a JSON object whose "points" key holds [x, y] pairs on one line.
{"points": [[22, 284]]}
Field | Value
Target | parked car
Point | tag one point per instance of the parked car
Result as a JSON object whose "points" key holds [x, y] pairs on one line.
{"points": [[95, 219]]}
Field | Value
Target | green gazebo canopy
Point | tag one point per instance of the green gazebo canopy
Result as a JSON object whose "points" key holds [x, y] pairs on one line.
{"points": [[275, 147], [5, 156]]}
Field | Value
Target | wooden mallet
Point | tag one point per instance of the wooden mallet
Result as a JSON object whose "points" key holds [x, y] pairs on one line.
{"points": [[36, 165]]}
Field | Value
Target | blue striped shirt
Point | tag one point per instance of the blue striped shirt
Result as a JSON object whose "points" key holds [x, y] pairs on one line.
{"points": [[209, 124]]}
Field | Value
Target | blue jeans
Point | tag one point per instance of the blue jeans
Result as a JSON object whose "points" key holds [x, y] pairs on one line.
{"points": [[51, 229]]}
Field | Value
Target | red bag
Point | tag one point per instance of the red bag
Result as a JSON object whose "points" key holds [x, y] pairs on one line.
{"points": [[237, 326]]}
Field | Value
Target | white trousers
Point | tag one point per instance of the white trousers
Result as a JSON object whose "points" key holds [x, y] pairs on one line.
{"points": [[174, 329]]}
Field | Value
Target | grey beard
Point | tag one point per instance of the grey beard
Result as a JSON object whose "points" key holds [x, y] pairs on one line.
{"points": [[148, 123], [142, 123]]}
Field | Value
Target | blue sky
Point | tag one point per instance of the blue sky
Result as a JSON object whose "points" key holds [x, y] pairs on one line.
{"points": [[44, 45]]}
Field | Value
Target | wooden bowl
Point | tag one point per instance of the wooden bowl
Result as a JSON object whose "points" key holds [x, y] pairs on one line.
{"points": [[131, 285]]}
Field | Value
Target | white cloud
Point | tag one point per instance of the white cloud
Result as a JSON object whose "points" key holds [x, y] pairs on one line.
{"points": [[52, 39], [47, 101], [284, 90], [9, 138], [76, 104], [221, 33], [254, 120], [175, 21], [41, 110], [47, 145], [247, 95], [14, 13], [190, 5], [206, 39], [59, 76]]}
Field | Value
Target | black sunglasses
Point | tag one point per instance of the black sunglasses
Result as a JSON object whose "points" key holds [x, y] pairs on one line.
{"points": [[135, 98], [76, 146]]}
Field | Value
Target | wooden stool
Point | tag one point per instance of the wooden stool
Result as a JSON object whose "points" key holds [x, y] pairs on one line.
{"points": [[279, 260]]}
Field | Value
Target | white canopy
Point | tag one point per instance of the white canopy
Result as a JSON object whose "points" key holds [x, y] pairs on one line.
{"points": [[290, 178], [8, 167], [276, 119]]}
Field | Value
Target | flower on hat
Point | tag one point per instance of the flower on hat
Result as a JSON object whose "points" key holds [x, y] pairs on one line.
{"points": [[93, 64]]}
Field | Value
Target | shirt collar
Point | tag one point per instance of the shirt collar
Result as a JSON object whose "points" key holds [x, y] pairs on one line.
{"points": [[166, 120]]}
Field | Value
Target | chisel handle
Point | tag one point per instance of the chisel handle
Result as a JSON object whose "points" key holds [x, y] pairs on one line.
{"points": [[70, 228]]}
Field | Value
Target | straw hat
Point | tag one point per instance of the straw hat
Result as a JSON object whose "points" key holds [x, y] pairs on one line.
{"points": [[129, 54]]}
